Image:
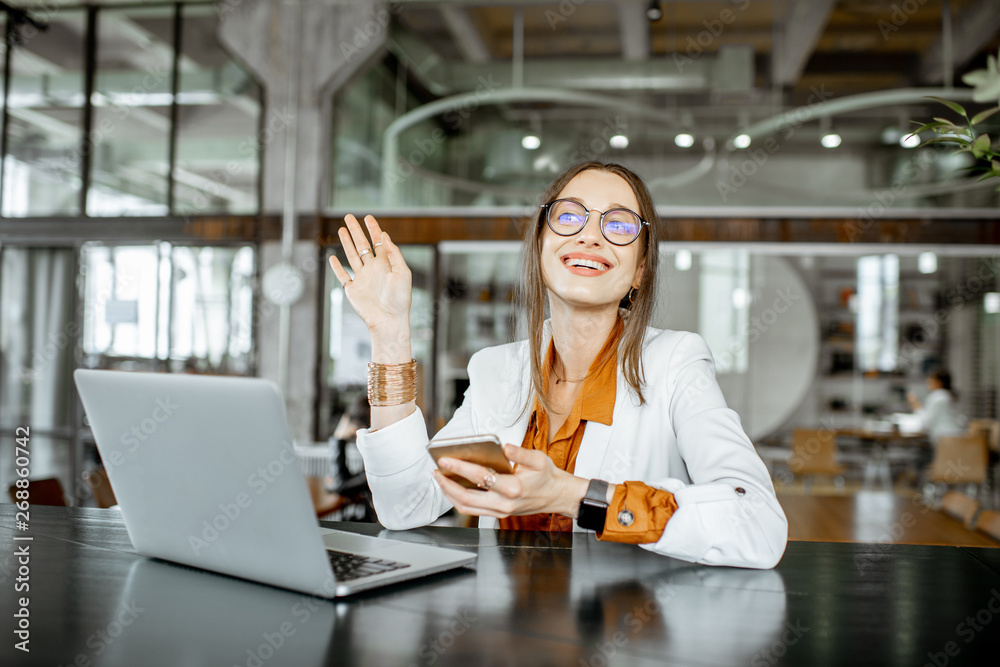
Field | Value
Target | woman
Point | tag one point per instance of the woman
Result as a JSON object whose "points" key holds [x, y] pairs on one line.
{"points": [[621, 428], [939, 415]]}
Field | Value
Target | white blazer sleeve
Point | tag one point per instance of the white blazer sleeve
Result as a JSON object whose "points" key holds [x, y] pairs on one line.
{"points": [[399, 468], [729, 515]]}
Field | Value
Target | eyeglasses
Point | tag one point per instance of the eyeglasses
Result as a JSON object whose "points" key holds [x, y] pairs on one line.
{"points": [[619, 226]]}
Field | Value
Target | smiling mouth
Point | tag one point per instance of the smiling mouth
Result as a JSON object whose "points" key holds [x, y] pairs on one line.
{"points": [[576, 262]]}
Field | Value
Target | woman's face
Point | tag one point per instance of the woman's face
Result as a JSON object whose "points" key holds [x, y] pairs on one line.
{"points": [[563, 257]]}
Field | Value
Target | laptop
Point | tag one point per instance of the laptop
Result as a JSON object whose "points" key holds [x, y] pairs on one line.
{"points": [[205, 474]]}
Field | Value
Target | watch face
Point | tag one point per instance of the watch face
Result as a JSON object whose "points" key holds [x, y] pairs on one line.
{"points": [[591, 515]]}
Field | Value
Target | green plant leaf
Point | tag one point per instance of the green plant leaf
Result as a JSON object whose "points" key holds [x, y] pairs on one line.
{"points": [[946, 140], [954, 106], [931, 126], [981, 146], [983, 115], [996, 167]]}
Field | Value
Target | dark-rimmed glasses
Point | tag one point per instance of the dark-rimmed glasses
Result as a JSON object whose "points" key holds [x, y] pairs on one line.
{"points": [[566, 217]]}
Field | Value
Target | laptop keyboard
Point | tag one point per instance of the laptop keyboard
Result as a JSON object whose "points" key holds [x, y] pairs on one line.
{"points": [[354, 566]]}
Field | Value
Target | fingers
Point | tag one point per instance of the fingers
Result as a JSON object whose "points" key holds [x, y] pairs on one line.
{"points": [[470, 471], [339, 271], [347, 241], [467, 501], [375, 232]]}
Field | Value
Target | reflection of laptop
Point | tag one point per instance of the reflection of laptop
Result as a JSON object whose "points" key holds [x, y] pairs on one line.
{"points": [[205, 474], [246, 620]]}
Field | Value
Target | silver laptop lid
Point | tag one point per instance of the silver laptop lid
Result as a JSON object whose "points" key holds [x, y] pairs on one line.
{"points": [[205, 474]]}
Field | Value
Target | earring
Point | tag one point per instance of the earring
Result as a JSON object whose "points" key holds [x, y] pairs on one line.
{"points": [[626, 301]]}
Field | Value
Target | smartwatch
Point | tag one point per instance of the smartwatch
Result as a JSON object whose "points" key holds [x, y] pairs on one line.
{"points": [[594, 506]]}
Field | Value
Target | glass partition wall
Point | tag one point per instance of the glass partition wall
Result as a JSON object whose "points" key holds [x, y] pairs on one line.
{"points": [[476, 143], [128, 111], [802, 337]]}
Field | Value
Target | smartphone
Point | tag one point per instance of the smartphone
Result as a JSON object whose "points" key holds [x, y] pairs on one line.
{"points": [[484, 450]]}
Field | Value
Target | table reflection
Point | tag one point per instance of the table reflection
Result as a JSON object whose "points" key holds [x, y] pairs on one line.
{"points": [[185, 616], [576, 601]]}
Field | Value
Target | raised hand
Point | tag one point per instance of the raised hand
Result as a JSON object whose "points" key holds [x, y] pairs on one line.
{"points": [[381, 289]]}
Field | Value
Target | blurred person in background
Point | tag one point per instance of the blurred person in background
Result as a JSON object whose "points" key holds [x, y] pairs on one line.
{"points": [[939, 415]]}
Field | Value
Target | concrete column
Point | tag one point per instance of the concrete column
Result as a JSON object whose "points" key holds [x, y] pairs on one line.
{"points": [[335, 40]]}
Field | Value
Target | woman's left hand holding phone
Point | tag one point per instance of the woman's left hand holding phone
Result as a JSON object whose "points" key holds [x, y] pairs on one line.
{"points": [[537, 485]]}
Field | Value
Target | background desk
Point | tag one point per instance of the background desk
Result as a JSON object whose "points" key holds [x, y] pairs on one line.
{"points": [[532, 601]]}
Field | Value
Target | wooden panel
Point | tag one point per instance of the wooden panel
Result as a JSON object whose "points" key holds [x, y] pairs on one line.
{"points": [[874, 516], [419, 229]]}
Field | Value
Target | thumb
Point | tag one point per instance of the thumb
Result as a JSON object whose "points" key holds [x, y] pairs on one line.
{"points": [[517, 455]]}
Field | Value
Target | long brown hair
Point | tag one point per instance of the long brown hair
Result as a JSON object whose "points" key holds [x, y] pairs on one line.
{"points": [[533, 292]]}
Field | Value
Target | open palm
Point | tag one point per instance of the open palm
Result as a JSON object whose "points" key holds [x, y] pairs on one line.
{"points": [[380, 291]]}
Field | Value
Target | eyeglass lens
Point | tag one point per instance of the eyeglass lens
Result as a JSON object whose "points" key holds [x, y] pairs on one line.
{"points": [[620, 226]]}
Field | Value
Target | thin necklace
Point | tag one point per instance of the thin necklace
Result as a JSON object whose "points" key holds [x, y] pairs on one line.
{"points": [[562, 379]]}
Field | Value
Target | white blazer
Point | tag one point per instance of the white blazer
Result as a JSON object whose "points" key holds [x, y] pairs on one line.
{"points": [[684, 439]]}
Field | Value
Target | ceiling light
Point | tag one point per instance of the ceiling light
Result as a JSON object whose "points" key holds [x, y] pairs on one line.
{"points": [[909, 141], [741, 298], [618, 141], [991, 302], [831, 140], [684, 140], [927, 262], [741, 141], [654, 12], [531, 142], [682, 260]]}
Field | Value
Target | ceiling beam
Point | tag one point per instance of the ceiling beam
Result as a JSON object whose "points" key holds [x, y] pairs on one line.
{"points": [[806, 21], [467, 38], [972, 31], [633, 28]]}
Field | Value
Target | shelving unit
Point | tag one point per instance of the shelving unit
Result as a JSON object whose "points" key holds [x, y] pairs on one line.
{"points": [[847, 397]]}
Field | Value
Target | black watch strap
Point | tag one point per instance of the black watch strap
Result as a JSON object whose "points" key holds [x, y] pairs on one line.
{"points": [[594, 506]]}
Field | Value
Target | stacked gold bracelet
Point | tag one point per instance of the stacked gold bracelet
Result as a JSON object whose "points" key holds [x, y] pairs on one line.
{"points": [[392, 384]]}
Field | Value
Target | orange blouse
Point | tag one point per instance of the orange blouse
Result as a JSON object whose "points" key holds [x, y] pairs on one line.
{"points": [[650, 506]]}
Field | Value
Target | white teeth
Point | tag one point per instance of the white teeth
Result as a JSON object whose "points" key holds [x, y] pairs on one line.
{"points": [[586, 263]]}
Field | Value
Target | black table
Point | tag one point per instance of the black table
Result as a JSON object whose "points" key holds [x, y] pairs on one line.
{"points": [[570, 600]]}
